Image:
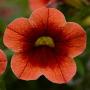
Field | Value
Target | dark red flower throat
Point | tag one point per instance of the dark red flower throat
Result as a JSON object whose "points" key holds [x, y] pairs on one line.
{"points": [[43, 50]]}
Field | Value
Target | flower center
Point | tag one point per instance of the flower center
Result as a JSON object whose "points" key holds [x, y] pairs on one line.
{"points": [[45, 40]]}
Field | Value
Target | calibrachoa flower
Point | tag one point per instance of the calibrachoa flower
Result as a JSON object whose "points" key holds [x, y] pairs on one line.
{"points": [[35, 4], [3, 62], [45, 44]]}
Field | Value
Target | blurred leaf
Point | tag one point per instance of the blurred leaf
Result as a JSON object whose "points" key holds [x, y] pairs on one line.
{"points": [[80, 68], [2, 84]]}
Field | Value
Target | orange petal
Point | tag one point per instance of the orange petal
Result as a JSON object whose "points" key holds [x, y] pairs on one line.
{"points": [[56, 21], [45, 18], [62, 71], [20, 26], [55, 18], [23, 69], [75, 38], [3, 62], [14, 36]]}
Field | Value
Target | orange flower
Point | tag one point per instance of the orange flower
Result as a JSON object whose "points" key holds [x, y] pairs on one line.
{"points": [[35, 4], [3, 62], [45, 44]]}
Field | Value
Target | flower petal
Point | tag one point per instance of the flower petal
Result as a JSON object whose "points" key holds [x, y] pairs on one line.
{"points": [[3, 62], [50, 17], [55, 18], [62, 71], [75, 39], [20, 26], [23, 69], [15, 33]]}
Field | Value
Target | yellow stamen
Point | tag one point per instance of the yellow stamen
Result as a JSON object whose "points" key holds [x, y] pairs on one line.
{"points": [[45, 40]]}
